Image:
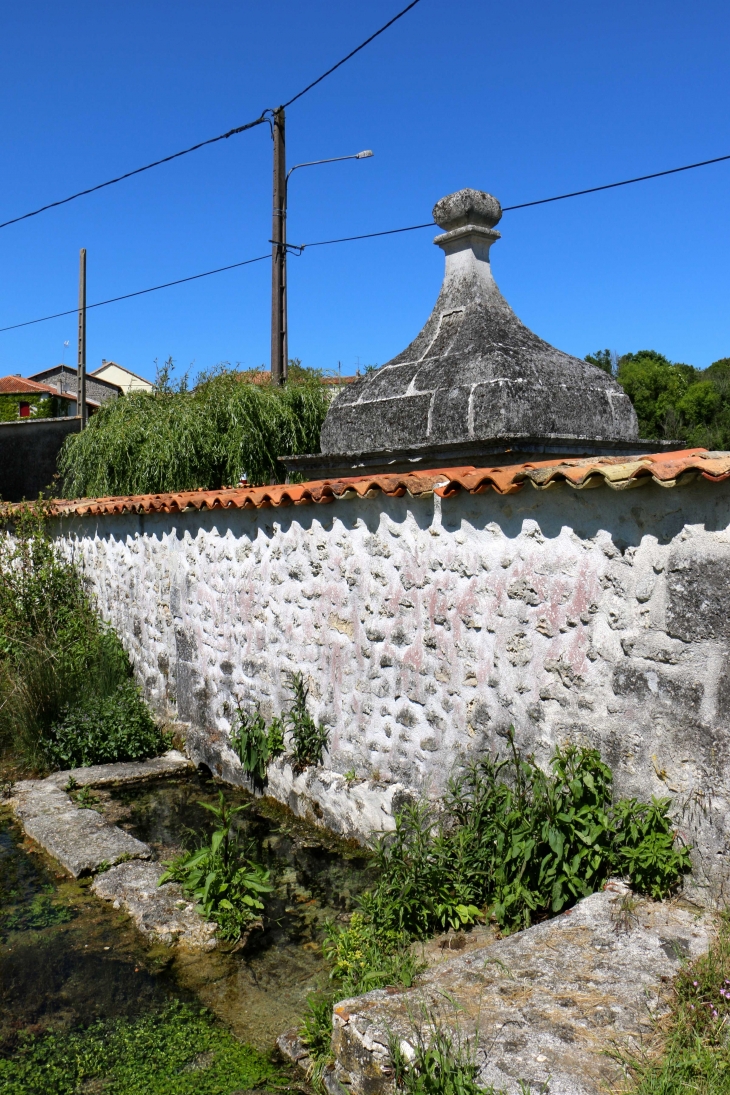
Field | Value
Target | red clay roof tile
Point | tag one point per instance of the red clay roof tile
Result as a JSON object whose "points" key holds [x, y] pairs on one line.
{"points": [[617, 472]]}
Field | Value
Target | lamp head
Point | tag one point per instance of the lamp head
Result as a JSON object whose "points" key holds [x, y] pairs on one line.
{"points": [[363, 155]]}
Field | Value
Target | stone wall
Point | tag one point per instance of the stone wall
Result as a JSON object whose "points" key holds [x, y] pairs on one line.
{"points": [[29, 449], [426, 627]]}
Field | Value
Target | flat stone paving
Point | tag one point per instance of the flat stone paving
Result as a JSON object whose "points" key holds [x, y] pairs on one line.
{"points": [[162, 913], [132, 771], [83, 842], [543, 1007], [80, 839]]}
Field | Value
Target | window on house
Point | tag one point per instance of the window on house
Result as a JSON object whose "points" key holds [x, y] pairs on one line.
{"points": [[24, 410]]}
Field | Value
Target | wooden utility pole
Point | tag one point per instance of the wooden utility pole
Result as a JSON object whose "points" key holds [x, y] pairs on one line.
{"points": [[279, 347], [81, 375]]}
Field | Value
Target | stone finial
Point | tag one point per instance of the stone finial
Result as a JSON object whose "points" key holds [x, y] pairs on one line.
{"points": [[467, 207]]}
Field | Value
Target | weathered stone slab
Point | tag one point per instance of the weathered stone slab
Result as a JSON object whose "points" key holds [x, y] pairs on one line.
{"points": [[81, 840], [544, 1004], [171, 763], [160, 912]]}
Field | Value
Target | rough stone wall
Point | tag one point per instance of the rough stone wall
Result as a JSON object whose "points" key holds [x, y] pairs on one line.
{"points": [[427, 627]]}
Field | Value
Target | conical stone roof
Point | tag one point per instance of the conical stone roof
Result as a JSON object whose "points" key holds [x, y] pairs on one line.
{"points": [[476, 380]]}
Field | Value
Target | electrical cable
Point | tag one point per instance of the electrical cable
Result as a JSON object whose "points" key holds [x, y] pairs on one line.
{"points": [[139, 292], [610, 186], [137, 171], [349, 55], [211, 140], [300, 247]]}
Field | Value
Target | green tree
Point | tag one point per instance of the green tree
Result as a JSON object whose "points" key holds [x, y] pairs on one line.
{"points": [[175, 439], [655, 387], [603, 359]]}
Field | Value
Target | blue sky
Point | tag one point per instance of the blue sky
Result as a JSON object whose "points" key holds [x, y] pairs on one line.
{"points": [[524, 100]]}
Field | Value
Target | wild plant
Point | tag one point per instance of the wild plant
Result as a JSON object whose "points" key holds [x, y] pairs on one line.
{"points": [[226, 884], [309, 740], [366, 956], [256, 745], [646, 848], [442, 1063], [689, 1051], [315, 1032], [512, 843]]}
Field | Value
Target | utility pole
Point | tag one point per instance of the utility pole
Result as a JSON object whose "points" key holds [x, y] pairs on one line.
{"points": [[279, 348], [81, 375]]}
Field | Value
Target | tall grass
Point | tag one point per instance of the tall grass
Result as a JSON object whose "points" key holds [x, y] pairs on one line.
{"points": [[67, 695], [173, 440]]}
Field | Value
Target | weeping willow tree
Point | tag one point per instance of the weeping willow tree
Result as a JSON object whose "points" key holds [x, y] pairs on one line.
{"points": [[173, 440]]}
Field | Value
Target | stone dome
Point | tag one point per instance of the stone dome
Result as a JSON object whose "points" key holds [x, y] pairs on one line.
{"points": [[476, 373]]}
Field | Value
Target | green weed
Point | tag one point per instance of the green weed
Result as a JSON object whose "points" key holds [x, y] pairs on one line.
{"points": [[518, 844], [86, 799], [255, 745], [364, 958], [309, 740], [226, 885], [177, 1051], [315, 1032], [42, 912], [442, 1064]]}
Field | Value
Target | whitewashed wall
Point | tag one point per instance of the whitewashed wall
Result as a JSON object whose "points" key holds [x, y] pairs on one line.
{"points": [[427, 627]]}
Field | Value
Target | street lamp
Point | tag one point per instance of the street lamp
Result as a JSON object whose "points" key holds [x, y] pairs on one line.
{"points": [[333, 159], [279, 317]]}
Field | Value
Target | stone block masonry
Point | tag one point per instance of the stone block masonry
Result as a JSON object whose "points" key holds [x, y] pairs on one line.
{"points": [[427, 626]]}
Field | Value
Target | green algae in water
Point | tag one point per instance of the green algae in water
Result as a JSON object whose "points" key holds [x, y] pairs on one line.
{"points": [[179, 1050]]}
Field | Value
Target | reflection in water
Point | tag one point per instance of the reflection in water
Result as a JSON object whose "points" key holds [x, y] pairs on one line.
{"points": [[96, 965]]}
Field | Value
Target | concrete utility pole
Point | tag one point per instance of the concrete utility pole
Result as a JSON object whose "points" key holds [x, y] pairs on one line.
{"points": [[279, 349], [81, 376]]}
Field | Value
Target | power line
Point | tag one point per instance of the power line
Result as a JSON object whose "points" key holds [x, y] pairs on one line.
{"points": [[211, 140], [365, 236], [351, 54], [137, 171], [139, 292], [527, 205], [610, 186]]}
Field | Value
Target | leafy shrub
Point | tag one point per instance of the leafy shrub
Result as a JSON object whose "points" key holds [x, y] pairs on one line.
{"points": [[309, 740], [512, 842], [103, 729], [225, 883], [645, 847], [167, 440], [522, 844], [255, 745]]}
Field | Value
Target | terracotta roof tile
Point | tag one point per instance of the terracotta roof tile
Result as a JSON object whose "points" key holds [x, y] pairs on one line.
{"points": [[617, 472], [18, 385]]}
